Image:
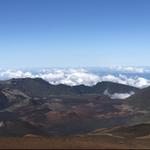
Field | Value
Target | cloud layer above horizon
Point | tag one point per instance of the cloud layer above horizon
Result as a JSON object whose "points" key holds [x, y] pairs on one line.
{"points": [[77, 76]]}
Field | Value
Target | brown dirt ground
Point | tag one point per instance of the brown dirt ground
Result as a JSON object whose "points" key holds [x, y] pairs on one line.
{"points": [[94, 142]]}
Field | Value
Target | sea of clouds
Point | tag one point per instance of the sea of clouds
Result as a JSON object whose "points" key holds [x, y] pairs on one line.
{"points": [[86, 76]]}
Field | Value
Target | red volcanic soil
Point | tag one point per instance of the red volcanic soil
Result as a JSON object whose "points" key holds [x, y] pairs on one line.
{"points": [[96, 142]]}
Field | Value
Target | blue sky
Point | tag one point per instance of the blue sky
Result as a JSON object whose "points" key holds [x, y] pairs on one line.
{"points": [[62, 33]]}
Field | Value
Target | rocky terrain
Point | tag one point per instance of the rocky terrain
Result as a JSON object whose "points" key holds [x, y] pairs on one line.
{"points": [[35, 108]]}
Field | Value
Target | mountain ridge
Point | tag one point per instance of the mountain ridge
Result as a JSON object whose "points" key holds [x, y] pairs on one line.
{"points": [[39, 87]]}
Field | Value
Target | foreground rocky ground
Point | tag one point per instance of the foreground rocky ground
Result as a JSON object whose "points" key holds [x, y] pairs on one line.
{"points": [[96, 142]]}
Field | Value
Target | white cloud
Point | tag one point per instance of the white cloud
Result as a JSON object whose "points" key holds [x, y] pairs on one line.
{"points": [[68, 76], [14, 74], [121, 95], [118, 95], [74, 77], [139, 82]]}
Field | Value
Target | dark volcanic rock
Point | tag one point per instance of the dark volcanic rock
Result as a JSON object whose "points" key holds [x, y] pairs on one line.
{"points": [[3, 101], [40, 88], [140, 100]]}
